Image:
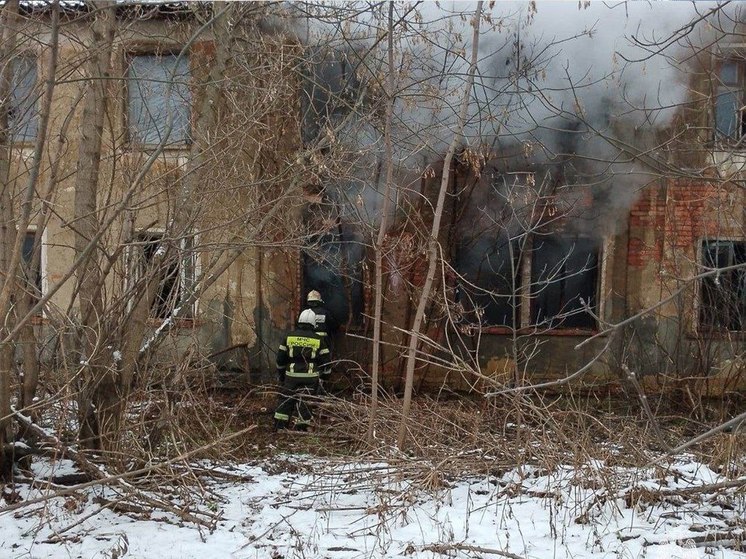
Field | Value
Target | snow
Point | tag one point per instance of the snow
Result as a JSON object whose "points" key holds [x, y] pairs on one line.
{"points": [[296, 506]]}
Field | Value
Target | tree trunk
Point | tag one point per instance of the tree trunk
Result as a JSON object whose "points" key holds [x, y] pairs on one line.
{"points": [[98, 393], [432, 246], [7, 222], [378, 247], [186, 209]]}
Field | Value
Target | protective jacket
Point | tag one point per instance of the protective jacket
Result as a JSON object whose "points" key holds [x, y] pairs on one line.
{"points": [[304, 355], [325, 323], [303, 359]]}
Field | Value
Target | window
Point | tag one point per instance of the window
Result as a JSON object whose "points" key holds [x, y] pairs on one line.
{"points": [[158, 87], [730, 124], [723, 295], [22, 113], [179, 273], [490, 283], [333, 267], [562, 274], [31, 273], [330, 87]]}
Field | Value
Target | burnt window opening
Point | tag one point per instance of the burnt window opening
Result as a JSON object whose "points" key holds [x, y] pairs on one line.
{"points": [[489, 290], [23, 114], [332, 265], [723, 295], [178, 275], [158, 87], [730, 117], [330, 89], [564, 278], [31, 274]]}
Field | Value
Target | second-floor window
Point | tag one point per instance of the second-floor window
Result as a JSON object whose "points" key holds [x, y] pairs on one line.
{"points": [[22, 110], [730, 118], [158, 99]]}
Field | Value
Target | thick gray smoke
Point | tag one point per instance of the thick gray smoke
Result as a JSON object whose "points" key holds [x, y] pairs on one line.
{"points": [[560, 83]]}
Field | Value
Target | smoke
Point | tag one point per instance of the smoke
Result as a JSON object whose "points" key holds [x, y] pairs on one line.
{"points": [[571, 92]]}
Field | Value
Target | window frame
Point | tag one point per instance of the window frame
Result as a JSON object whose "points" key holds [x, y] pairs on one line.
{"points": [[700, 328], [532, 320], [15, 123], [186, 139], [42, 280], [136, 264], [720, 87], [515, 300], [525, 296]]}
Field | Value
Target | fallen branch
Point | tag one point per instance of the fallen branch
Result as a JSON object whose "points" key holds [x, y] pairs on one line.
{"points": [[443, 548], [111, 480], [67, 451]]}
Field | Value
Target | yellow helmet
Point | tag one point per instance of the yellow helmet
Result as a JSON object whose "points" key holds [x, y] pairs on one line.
{"points": [[314, 296]]}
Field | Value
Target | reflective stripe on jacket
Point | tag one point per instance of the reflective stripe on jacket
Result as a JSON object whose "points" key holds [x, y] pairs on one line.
{"points": [[304, 354]]}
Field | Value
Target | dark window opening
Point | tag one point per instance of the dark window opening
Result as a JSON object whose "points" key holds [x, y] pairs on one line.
{"points": [[489, 290], [723, 298], [730, 117], [564, 276], [158, 87], [330, 87], [23, 117], [333, 266], [178, 275], [31, 273]]}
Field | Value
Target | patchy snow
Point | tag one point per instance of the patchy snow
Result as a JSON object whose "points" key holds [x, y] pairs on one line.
{"points": [[305, 507], [45, 469]]}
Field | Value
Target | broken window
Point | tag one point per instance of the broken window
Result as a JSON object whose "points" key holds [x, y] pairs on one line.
{"points": [[332, 265], [723, 295], [489, 287], [563, 287], [730, 123], [178, 273], [158, 89], [31, 272], [564, 276], [23, 117], [330, 88]]}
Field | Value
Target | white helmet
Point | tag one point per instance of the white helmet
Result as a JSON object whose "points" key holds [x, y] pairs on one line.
{"points": [[314, 296], [307, 317]]}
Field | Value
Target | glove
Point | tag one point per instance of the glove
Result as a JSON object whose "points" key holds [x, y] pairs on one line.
{"points": [[280, 376]]}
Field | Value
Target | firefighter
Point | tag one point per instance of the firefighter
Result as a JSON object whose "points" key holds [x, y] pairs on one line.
{"points": [[325, 324], [303, 359]]}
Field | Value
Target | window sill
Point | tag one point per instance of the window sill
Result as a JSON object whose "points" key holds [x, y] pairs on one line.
{"points": [[739, 335], [568, 332], [172, 148], [181, 323]]}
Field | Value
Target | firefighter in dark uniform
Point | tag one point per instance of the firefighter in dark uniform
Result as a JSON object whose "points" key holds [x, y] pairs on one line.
{"points": [[302, 360], [325, 324]]}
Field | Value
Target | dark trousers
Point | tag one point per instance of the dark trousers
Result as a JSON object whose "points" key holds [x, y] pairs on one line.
{"points": [[294, 395]]}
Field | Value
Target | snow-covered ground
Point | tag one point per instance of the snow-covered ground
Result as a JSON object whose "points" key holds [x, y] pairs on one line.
{"points": [[305, 507]]}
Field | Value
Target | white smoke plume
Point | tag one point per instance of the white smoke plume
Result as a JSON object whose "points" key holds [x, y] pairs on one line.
{"points": [[556, 81]]}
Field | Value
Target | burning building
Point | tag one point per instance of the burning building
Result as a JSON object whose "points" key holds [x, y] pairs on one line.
{"points": [[593, 219]]}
